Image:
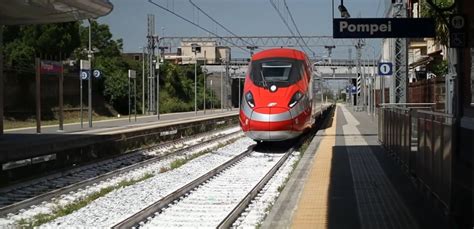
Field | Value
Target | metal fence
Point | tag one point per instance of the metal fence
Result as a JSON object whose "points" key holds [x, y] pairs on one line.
{"points": [[422, 141]]}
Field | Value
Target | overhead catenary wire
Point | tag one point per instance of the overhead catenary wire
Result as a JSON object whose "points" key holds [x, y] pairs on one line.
{"points": [[296, 27], [218, 23], [284, 20], [286, 23], [189, 21]]}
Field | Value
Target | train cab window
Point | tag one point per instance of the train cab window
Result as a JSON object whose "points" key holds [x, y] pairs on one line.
{"points": [[281, 72], [276, 71]]}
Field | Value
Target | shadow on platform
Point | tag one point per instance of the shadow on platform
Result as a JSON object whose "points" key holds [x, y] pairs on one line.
{"points": [[344, 200]]}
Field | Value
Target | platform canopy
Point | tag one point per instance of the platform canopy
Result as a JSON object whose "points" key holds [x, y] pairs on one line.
{"points": [[18, 12]]}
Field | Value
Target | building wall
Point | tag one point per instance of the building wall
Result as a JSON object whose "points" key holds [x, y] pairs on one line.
{"points": [[428, 91], [208, 52]]}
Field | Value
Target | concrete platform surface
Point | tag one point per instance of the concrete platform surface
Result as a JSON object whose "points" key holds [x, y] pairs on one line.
{"points": [[49, 134], [346, 180]]}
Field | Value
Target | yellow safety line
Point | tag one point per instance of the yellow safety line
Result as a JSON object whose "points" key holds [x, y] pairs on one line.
{"points": [[312, 209]]}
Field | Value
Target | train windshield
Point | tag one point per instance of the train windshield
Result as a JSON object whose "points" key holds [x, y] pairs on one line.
{"points": [[276, 71], [281, 72]]}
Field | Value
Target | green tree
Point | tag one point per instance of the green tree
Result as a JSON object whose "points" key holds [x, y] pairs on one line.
{"points": [[107, 58], [23, 43], [101, 41], [427, 11]]}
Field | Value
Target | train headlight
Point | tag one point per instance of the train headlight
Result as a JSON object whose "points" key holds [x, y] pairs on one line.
{"points": [[249, 99], [295, 99]]}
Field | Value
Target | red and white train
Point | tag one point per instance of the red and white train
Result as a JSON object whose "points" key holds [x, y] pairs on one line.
{"points": [[277, 101]]}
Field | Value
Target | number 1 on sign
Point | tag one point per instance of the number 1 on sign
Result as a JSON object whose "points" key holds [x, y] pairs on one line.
{"points": [[384, 68]]}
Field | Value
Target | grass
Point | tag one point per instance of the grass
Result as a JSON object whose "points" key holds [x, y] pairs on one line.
{"points": [[181, 161], [61, 211]]}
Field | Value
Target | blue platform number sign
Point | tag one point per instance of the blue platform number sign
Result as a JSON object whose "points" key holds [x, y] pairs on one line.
{"points": [[96, 73], [84, 75], [385, 69]]}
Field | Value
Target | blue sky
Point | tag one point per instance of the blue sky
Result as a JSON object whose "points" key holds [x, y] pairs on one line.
{"points": [[242, 17]]}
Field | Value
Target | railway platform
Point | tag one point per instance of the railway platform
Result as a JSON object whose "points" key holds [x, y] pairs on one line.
{"points": [[23, 150], [347, 180]]}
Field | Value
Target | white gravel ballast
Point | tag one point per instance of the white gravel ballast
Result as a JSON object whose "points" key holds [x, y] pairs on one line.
{"points": [[116, 206], [47, 207], [209, 204]]}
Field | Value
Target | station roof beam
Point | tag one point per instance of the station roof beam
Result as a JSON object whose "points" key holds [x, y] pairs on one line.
{"points": [[14, 12]]}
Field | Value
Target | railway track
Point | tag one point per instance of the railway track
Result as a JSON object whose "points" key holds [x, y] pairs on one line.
{"points": [[217, 198], [26, 194]]}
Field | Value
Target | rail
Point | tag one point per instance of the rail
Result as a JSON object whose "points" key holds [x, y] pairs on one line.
{"points": [[237, 211], [115, 173], [422, 141], [151, 209]]}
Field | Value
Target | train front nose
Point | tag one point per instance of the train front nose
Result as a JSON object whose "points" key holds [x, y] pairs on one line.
{"points": [[271, 124]]}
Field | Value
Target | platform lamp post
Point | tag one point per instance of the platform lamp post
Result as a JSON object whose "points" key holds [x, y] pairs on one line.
{"points": [[251, 48], [160, 60], [195, 49], [131, 75], [344, 14], [210, 87], [330, 48], [89, 56], [238, 80], [222, 84], [143, 79], [204, 85]]}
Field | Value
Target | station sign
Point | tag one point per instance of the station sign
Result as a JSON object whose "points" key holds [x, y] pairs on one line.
{"points": [[84, 75], [50, 67], [85, 65], [132, 74], [385, 69], [457, 31], [354, 90], [383, 28], [96, 73]]}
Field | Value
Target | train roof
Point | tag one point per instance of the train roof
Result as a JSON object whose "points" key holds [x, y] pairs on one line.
{"points": [[280, 52]]}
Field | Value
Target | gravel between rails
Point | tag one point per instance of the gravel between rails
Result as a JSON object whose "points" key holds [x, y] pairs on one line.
{"points": [[259, 207], [47, 207], [209, 204], [122, 203], [28, 189]]}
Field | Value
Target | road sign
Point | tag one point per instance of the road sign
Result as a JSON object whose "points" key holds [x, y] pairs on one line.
{"points": [[85, 65], [385, 68], [132, 74], [383, 28], [84, 75], [96, 73]]}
